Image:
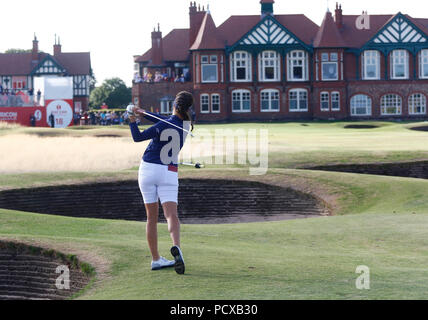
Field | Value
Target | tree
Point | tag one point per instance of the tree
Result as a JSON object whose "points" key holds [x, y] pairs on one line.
{"points": [[113, 92]]}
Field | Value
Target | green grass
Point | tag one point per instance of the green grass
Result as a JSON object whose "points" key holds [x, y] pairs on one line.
{"points": [[379, 222], [382, 224]]}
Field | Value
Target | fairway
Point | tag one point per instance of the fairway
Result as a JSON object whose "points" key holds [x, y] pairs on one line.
{"points": [[291, 145], [375, 221]]}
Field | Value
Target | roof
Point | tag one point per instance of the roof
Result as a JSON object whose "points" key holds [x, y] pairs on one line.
{"points": [[176, 43], [328, 35], [20, 64], [236, 27], [267, 1], [175, 47], [207, 37], [355, 38], [76, 63]]}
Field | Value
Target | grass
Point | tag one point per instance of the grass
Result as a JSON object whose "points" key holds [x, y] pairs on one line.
{"points": [[379, 222], [382, 224], [291, 145]]}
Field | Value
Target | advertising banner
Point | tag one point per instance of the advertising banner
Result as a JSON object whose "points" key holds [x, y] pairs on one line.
{"points": [[60, 112], [22, 115]]}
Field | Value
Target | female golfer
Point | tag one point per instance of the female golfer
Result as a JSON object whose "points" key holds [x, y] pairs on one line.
{"points": [[158, 175]]}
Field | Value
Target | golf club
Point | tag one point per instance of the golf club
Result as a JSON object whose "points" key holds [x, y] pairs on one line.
{"points": [[194, 165]]}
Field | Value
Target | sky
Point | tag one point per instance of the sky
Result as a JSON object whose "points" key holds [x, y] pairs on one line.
{"points": [[115, 31]]}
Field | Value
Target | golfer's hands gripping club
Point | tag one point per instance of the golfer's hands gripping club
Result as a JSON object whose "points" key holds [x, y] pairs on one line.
{"points": [[134, 112]]}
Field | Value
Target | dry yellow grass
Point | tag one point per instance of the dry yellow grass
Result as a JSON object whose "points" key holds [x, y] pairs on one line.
{"points": [[38, 153], [29, 153]]}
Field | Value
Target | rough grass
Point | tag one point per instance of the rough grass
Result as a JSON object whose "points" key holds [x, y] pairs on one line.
{"points": [[291, 145]]}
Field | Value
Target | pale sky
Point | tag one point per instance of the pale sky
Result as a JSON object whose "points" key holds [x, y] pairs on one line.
{"points": [[115, 31]]}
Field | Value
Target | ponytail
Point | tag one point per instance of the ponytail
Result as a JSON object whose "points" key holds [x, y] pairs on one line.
{"points": [[184, 100]]}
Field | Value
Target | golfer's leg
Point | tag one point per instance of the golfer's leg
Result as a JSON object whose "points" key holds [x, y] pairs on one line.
{"points": [[152, 210], [171, 215]]}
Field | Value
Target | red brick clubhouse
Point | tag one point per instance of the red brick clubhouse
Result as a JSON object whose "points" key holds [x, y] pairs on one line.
{"points": [[286, 67]]}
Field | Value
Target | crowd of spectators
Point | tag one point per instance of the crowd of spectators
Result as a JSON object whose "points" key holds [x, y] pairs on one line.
{"points": [[161, 77], [19, 98], [101, 118]]}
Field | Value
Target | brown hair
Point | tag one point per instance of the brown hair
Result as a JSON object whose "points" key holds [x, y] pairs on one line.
{"points": [[183, 102]]}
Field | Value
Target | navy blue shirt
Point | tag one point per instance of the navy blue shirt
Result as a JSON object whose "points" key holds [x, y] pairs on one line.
{"points": [[154, 149]]}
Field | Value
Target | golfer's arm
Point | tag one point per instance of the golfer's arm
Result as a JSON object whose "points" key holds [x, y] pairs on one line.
{"points": [[139, 136], [154, 120]]}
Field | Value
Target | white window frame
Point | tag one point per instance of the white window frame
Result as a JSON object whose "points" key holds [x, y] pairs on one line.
{"points": [[399, 55], [423, 61], [205, 101], [217, 96], [265, 61], [335, 98], [414, 104], [205, 59], [371, 58], [245, 63], [298, 100], [270, 93], [387, 101], [293, 60], [363, 98], [241, 93], [330, 61], [166, 106], [206, 62], [324, 100]]}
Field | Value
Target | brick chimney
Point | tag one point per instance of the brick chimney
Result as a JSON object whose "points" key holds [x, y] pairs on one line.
{"points": [[157, 47], [35, 50], [57, 47], [196, 17], [339, 16]]}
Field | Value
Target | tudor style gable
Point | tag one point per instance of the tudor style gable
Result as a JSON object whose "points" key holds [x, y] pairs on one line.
{"points": [[268, 32], [399, 30], [48, 66]]}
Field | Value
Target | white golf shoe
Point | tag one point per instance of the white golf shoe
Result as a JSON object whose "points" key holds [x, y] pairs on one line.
{"points": [[162, 263]]}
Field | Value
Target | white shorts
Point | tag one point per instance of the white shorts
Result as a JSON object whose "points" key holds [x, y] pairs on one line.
{"points": [[157, 182]]}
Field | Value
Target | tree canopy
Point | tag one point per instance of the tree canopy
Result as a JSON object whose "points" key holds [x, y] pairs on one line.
{"points": [[113, 92]]}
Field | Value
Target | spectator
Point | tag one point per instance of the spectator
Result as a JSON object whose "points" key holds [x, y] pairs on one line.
{"points": [[104, 106], [103, 118], [39, 97], [52, 120], [93, 118], [33, 120], [76, 118]]}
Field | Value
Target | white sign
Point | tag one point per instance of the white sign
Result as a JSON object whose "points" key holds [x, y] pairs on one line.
{"points": [[62, 112], [8, 116], [38, 115]]}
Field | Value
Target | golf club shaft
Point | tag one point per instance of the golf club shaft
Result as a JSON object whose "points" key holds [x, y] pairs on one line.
{"points": [[163, 120]]}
